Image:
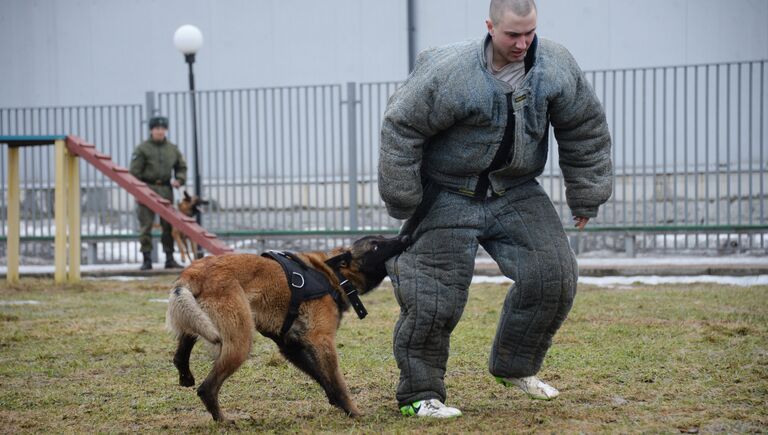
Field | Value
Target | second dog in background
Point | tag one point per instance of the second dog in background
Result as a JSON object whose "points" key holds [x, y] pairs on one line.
{"points": [[189, 205]]}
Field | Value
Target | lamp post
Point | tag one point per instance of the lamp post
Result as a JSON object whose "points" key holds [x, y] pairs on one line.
{"points": [[188, 39]]}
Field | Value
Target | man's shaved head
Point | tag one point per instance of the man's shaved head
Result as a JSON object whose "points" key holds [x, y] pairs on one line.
{"points": [[521, 8]]}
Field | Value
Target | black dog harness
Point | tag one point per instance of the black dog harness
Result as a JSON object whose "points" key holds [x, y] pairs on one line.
{"points": [[307, 283]]}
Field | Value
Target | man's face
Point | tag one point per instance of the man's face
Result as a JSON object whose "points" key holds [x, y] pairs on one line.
{"points": [[512, 35], [158, 133]]}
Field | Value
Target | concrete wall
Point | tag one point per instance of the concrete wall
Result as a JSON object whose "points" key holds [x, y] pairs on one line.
{"points": [[71, 52], [605, 34]]}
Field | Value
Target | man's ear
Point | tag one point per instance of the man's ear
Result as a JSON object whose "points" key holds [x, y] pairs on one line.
{"points": [[341, 260]]}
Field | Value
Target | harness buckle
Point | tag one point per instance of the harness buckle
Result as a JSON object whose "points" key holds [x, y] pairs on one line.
{"points": [[300, 276]]}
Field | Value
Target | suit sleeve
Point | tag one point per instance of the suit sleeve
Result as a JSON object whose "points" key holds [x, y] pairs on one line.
{"points": [[584, 141], [415, 112]]}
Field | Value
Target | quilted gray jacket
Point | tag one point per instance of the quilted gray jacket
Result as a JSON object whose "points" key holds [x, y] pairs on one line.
{"points": [[447, 121]]}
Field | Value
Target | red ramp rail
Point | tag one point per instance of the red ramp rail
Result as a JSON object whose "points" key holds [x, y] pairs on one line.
{"points": [[147, 196]]}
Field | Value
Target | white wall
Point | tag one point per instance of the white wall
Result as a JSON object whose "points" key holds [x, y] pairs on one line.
{"points": [[620, 33], [66, 52]]}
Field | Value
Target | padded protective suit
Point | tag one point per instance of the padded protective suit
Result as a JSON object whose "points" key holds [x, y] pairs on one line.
{"points": [[432, 278], [446, 124]]}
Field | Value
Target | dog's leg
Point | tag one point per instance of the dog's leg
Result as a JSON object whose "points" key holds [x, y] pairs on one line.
{"points": [[231, 358], [233, 318], [318, 359], [181, 244], [181, 359]]}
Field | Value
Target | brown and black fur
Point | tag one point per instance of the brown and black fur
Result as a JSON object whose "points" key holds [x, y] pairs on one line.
{"points": [[223, 299], [190, 206]]}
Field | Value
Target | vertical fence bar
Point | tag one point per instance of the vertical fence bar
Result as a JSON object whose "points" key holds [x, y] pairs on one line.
{"points": [[674, 149], [352, 150], [707, 168], [762, 165], [750, 140], [686, 198], [655, 144], [697, 200], [728, 144], [739, 144], [644, 174]]}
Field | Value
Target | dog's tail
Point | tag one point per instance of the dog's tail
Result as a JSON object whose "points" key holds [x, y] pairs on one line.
{"points": [[185, 316]]}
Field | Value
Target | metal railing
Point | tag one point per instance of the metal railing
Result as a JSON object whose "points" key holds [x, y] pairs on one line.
{"points": [[689, 152]]}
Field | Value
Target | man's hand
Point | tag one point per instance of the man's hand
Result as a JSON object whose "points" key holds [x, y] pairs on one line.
{"points": [[175, 184], [581, 222]]}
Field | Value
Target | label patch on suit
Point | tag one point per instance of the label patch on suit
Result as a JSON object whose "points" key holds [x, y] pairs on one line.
{"points": [[520, 98]]}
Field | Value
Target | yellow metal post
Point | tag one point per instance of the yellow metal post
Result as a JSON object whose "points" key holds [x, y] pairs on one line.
{"points": [[73, 200], [14, 215], [60, 211]]}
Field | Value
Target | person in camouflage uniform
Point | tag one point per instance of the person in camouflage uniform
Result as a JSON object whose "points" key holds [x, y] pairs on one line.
{"points": [[152, 162]]}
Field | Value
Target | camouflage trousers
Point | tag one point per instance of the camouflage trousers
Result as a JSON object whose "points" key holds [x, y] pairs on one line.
{"points": [[147, 219]]}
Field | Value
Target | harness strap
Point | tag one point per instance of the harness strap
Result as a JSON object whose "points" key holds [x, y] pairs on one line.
{"points": [[307, 283], [431, 190], [481, 189], [304, 282]]}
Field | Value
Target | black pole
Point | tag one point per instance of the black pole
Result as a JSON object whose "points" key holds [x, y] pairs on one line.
{"points": [[411, 11], [190, 58]]}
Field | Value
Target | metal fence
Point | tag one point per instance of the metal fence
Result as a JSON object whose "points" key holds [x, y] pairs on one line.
{"points": [[689, 153]]}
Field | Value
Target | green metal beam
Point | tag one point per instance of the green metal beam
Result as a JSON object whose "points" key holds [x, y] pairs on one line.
{"points": [[319, 233]]}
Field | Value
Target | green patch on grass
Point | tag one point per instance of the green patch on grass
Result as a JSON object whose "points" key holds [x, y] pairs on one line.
{"points": [[96, 358]]}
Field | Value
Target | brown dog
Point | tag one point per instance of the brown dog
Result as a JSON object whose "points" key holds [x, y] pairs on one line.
{"points": [[224, 298], [189, 205]]}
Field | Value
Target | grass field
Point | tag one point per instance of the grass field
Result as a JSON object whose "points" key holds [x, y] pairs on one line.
{"points": [[96, 358]]}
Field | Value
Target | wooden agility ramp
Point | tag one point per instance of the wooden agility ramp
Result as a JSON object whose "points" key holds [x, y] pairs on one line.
{"points": [[67, 203]]}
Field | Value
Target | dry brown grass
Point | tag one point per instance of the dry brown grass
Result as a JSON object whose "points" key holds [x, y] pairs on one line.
{"points": [[95, 358]]}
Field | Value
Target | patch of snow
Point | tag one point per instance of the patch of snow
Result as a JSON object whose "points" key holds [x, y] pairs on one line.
{"points": [[19, 302], [115, 278], [613, 281]]}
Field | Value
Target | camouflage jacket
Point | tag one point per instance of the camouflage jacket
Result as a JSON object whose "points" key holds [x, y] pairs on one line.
{"points": [[153, 163]]}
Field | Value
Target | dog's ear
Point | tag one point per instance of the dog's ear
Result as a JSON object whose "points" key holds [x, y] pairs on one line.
{"points": [[341, 260], [186, 195]]}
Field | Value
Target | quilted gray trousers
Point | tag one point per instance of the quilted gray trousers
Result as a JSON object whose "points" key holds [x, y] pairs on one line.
{"points": [[524, 235]]}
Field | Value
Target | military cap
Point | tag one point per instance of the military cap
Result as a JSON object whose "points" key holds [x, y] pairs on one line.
{"points": [[158, 121]]}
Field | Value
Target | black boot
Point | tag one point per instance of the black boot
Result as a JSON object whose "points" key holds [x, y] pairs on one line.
{"points": [[170, 263], [147, 264]]}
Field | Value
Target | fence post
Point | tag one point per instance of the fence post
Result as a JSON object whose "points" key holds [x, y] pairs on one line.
{"points": [[352, 141], [574, 241], [629, 245], [150, 103]]}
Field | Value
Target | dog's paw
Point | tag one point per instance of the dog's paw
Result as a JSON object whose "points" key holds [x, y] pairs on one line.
{"points": [[186, 381]]}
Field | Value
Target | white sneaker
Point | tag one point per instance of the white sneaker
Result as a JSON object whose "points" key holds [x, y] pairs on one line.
{"points": [[429, 408], [532, 386]]}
